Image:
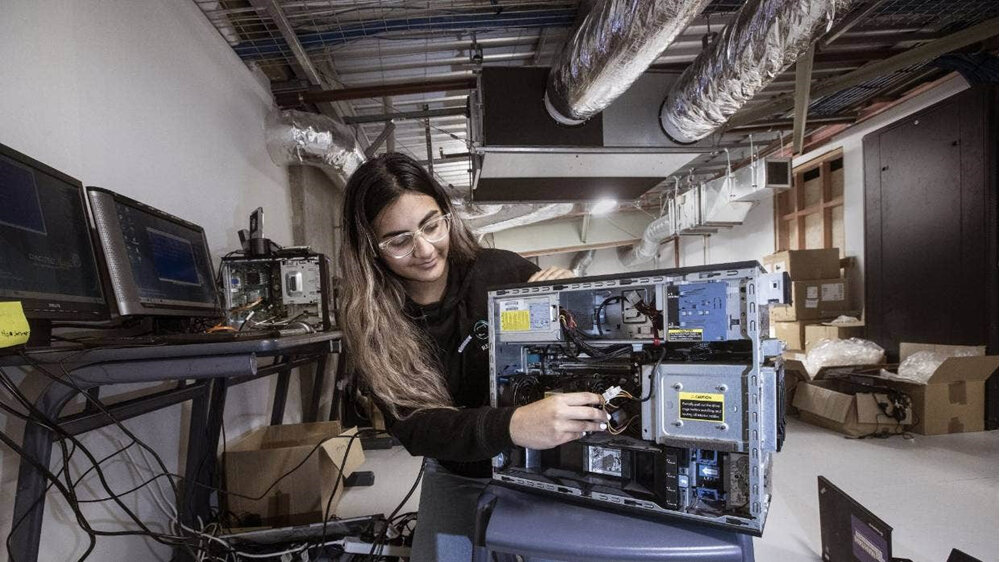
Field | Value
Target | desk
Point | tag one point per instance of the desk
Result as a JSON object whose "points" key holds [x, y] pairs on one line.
{"points": [[213, 366]]}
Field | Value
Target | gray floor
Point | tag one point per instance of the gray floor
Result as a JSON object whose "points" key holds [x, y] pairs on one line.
{"points": [[937, 492]]}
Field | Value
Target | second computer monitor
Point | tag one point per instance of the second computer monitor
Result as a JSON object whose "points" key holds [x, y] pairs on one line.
{"points": [[158, 264]]}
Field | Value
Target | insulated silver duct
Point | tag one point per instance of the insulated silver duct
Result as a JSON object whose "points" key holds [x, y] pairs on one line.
{"points": [[655, 233], [581, 262], [297, 137], [518, 215], [612, 47], [766, 37]]}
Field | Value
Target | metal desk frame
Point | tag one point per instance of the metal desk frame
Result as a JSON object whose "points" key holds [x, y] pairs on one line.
{"points": [[213, 366]]}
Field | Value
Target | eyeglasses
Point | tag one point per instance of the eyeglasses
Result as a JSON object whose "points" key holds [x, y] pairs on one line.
{"points": [[402, 245]]}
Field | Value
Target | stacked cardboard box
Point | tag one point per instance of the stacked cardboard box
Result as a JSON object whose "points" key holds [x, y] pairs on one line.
{"points": [[818, 292]]}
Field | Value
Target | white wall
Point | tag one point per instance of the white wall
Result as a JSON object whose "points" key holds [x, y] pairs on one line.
{"points": [[145, 98]]}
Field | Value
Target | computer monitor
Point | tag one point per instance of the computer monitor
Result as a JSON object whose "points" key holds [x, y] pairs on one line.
{"points": [[47, 259], [157, 264], [849, 531]]}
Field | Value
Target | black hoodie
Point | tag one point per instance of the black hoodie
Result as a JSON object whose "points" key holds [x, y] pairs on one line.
{"points": [[463, 440]]}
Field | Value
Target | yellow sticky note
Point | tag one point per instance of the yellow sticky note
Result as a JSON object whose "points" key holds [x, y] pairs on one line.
{"points": [[14, 328]]}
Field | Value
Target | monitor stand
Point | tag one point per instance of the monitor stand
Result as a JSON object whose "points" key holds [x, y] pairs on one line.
{"points": [[41, 333]]}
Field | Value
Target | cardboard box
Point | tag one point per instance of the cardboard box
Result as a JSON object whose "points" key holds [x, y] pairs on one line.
{"points": [[848, 408], [813, 300], [817, 332], [952, 400], [792, 333], [265, 454], [805, 265]]}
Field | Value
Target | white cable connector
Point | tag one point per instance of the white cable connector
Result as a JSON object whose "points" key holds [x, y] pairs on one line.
{"points": [[611, 393]]}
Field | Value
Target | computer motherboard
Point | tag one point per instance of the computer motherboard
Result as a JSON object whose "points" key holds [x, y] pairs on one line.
{"points": [[685, 369]]}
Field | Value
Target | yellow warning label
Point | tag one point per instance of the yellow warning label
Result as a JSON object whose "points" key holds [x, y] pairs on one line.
{"points": [[699, 406], [14, 328], [685, 334], [515, 321]]}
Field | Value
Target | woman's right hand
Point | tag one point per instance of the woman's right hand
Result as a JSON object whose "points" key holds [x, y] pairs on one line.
{"points": [[557, 419]]}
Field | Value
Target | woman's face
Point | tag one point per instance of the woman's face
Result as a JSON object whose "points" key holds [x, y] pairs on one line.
{"points": [[428, 261]]}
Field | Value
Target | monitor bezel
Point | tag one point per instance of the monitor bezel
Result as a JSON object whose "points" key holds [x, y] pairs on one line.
{"points": [[54, 308], [127, 302]]}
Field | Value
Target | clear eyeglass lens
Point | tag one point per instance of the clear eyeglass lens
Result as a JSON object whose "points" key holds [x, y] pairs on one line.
{"points": [[402, 245]]}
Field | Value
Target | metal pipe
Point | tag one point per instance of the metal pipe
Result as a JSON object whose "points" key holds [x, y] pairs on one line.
{"points": [[404, 115], [766, 37], [292, 99], [612, 47]]}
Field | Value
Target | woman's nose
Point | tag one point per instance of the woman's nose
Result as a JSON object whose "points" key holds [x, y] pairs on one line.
{"points": [[422, 248]]}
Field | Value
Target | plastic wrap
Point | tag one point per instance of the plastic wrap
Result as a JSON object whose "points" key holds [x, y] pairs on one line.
{"points": [[612, 47], [765, 38], [297, 137], [834, 353], [920, 366]]}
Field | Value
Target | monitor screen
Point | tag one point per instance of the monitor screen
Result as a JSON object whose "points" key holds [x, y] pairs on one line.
{"points": [[159, 264], [47, 258], [848, 531]]}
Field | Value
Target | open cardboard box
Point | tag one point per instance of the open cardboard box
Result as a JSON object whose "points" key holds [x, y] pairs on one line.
{"points": [[832, 401], [262, 456], [953, 398], [849, 408]]}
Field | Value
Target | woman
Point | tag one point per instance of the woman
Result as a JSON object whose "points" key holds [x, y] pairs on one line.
{"points": [[413, 313]]}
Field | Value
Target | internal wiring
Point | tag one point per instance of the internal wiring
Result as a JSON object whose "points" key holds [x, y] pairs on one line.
{"points": [[183, 532]]}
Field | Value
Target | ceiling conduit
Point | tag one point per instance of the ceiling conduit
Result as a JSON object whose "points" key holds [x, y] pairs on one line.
{"points": [[302, 138], [612, 47], [765, 38]]}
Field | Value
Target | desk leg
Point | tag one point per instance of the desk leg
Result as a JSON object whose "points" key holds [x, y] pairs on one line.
{"points": [[281, 394], [312, 414], [203, 443], [31, 483], [337, 402]]}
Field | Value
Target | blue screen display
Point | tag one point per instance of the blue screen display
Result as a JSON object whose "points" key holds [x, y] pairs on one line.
{"points": [[173, 257], [169, 259]]}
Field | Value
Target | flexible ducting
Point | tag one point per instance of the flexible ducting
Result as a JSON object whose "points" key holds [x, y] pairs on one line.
{"points": [[612, 47], [647, 249], [300, 138], [765, 38], [581, 262], [297, 137], [519, 215]]}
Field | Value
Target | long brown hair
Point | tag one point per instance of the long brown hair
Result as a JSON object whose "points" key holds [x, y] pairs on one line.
{"points": [[392, 355]]}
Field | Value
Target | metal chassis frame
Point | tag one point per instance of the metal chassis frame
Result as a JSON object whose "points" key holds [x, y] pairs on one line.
{"points": [[758, 403]]}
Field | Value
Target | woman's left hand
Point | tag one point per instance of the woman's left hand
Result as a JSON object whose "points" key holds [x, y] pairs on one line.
{"points": [[551, 274]]}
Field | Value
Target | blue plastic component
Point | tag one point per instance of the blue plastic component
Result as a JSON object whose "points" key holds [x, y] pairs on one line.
{"points": [[703, 306]]}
